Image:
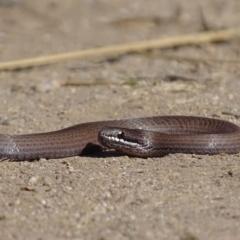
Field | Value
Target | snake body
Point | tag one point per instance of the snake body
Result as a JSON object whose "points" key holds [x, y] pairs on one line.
{"points": [[141, 137]]}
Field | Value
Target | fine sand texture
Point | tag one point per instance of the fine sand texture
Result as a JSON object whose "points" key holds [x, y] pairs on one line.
{"points": [[107, 196]]}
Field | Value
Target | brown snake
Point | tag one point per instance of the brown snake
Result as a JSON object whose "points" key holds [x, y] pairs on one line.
{"points": [[141, 137]]}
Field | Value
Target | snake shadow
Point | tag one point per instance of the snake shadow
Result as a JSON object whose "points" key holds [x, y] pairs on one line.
{"points": [[96, 151]]}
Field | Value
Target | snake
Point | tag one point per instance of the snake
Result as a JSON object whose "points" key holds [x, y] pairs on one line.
{"points": [[138, 137]]}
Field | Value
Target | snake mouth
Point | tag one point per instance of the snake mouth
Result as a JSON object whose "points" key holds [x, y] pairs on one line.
{"points": [[119, 138]]}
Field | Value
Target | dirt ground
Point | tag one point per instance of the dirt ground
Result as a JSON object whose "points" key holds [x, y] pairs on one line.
{"points": [[185, 197]]}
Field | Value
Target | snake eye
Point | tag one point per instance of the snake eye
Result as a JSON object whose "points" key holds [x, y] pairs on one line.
{"points": [[120, 134]]}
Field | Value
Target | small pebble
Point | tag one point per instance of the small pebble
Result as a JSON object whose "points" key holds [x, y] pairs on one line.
{"points": [[47, 181], [33, 180], [47, 86]]}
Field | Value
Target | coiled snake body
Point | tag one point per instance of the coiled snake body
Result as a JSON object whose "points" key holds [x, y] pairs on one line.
{"points": [[141, 137]]}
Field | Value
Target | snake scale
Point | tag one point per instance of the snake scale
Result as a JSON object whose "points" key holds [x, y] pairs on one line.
{"points": [[140, 137]]}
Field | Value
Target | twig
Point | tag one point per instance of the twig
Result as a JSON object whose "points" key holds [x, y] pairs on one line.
{"points": [[191, 59], [123, 49]]}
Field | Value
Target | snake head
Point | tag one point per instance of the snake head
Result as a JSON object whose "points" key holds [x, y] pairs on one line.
{"points": [[129, 141]]}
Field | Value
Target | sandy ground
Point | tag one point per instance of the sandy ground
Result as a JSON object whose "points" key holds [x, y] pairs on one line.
{"points": [[185, 197]]}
